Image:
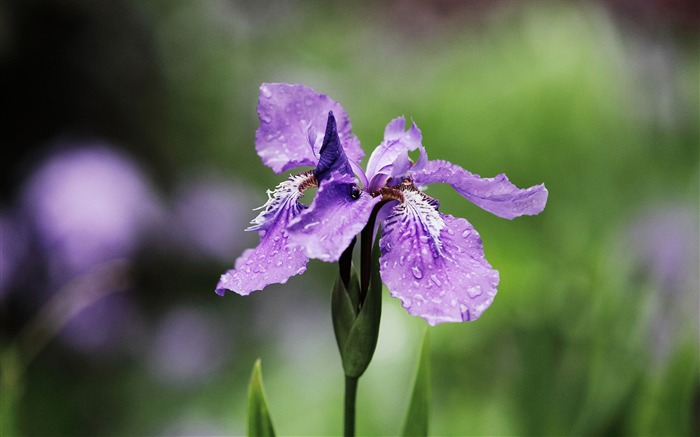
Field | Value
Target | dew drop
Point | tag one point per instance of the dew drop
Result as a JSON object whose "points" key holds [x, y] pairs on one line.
{"points": [[402, 260], [435, 279], [450, 231], [466, 233], [474, 291], [266, 92], [417, 272]]}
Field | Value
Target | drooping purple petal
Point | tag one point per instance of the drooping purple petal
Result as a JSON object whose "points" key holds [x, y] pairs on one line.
{"points": [[434, 263], [397, 143], [292, 125], [496, 195], [332, 157], [337, 214], [274, 260]]}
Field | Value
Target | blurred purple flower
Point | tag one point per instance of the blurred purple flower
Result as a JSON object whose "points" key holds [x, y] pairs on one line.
{"points": [[208, 212], [187, 346], [661, 245], [89, 204], [433, 262], [101, 327]]}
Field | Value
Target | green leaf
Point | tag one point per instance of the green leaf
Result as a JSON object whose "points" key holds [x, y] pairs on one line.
{"points": [[344, 308], [418, 414], [362, 339], [259, 421]]}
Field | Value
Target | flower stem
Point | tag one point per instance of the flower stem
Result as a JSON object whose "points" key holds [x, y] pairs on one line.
{"points": [[350, 395]]}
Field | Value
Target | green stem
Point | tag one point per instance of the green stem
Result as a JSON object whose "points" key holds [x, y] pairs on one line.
{"points": [[350, 395]]}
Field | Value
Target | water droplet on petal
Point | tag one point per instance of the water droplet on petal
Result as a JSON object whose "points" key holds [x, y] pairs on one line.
{"points": [[417, 272], [435, 279], [474, 291], [265, 91], [402, 260], [466, 233]]}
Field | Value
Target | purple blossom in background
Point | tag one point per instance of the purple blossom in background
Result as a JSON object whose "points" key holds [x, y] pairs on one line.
{"points": [[187, 347], [88, 205], [206, 216], [433, 262]]}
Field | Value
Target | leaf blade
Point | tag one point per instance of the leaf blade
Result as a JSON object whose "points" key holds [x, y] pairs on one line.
{"points": [[259, 420], [417, 417]]}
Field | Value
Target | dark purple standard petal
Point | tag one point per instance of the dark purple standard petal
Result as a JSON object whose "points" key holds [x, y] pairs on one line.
{"points": [[496, 195], [332, 157], [337, 214], [292, 125], [434, 263], [274, 260]]}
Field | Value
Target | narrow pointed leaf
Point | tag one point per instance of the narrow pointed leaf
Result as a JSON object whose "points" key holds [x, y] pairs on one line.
{"points": [[344, 307], [362, 339], [259, 421], [418, 414]]}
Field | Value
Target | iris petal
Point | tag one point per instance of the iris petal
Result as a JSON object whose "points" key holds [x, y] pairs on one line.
{"points": [[496, 195], [337, 214], [395, 147], [434, 263], [274, 260], [292, 125]]}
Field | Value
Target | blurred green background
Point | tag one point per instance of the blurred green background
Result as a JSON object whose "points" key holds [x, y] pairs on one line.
{"points": [[141, 116]]}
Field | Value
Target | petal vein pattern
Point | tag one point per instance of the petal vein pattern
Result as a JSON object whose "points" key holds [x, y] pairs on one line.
{"points": [[496, 195], [437, 271], [274, 260], [285, 195]]}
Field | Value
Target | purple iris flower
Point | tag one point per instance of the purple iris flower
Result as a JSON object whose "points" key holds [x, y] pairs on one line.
{"points": [[433, 262]]}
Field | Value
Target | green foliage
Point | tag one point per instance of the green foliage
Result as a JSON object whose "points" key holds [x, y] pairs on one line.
{"points": [[357, 330], [259, 421], [417, 420]]}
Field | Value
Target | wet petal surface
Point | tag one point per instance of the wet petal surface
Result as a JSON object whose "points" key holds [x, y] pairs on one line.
{"points": [[274, 260], [292, 126], [434, 263], [337, 214], [496, 195]]}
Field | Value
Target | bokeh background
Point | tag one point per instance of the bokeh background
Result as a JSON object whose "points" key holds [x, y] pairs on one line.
{"points": [[129, 173]]}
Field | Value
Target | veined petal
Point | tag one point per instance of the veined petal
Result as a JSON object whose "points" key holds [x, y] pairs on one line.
{"points": [[292, 125], [285, 196], [337, 214], [274, 260], [397, 142], [496, 195], [434, 263]]}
